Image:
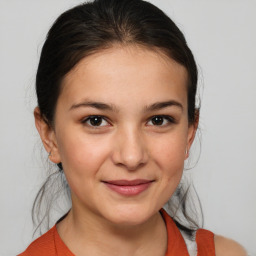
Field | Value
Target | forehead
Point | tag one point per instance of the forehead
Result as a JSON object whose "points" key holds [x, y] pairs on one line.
{"points": [[133, 72]]}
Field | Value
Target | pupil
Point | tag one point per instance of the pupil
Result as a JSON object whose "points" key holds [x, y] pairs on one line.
{"points": [[96, 121], [157, 120]]}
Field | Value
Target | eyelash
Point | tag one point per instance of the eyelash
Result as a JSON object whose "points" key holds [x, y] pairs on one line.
{"points": [[86, 120], [168, 119]]}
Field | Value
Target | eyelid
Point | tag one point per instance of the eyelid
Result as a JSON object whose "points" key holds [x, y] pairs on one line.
{"points": [[170, 120], [86, 119]]}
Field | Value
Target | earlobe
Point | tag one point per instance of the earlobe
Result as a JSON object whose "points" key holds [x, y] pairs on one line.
{"points": [[191, 134], [186, 153], [47, 135]]}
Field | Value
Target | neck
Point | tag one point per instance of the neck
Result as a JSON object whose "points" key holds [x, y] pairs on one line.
{"points": [[84, 233]]}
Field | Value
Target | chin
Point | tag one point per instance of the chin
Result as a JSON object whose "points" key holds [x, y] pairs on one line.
{"points": [[130, 215]]}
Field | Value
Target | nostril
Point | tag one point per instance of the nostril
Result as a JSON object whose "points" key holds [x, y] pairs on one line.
{"points": [[130, 151], [130, 164]]}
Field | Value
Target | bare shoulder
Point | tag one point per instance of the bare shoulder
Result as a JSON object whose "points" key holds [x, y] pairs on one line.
{"points": [[228, 247]]}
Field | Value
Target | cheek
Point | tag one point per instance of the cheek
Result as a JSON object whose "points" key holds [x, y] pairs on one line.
{"points": [[82, 155], [170, 153], [169, 156], [82, 159]]}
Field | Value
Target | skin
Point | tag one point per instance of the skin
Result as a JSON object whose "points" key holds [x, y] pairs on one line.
{"points": [[228, 247], [130, 82]]}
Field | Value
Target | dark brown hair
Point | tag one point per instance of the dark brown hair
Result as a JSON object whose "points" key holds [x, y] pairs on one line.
{"points": [[100, 24]]}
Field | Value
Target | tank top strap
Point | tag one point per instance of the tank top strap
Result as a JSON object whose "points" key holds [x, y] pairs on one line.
{"points": [[175, 243], [60, 247], [205, 243]]}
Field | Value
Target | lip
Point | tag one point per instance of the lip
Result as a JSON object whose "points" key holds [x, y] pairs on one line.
{"points": [[128, 187]]}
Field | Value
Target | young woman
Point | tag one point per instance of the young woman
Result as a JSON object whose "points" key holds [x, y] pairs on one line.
{"points": [[116, 87]]}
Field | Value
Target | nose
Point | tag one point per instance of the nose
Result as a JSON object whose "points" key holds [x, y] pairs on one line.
{"points": [[130, 149]]}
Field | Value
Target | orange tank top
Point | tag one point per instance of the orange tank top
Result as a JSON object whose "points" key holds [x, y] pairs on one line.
{"points": [[50, 243]]}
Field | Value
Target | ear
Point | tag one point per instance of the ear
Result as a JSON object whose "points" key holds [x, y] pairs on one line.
{"points": [[48, 137], [192, 133]]}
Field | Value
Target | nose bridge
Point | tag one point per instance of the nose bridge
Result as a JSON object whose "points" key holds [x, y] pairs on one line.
{"points": [[130, 149]]}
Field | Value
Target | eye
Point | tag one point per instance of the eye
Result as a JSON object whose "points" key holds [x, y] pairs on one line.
{"points": [[161, 120], [95, 121]]}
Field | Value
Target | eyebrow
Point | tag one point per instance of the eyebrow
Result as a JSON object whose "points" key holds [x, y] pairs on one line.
{"points": [[164, 104], [97, 105], [110, 107]]}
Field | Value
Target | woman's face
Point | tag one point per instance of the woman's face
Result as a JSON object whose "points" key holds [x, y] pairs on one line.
{"points": [[121, 133]]}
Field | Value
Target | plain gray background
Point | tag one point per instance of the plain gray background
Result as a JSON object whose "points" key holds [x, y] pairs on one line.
{"points": [[222, 36]]}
